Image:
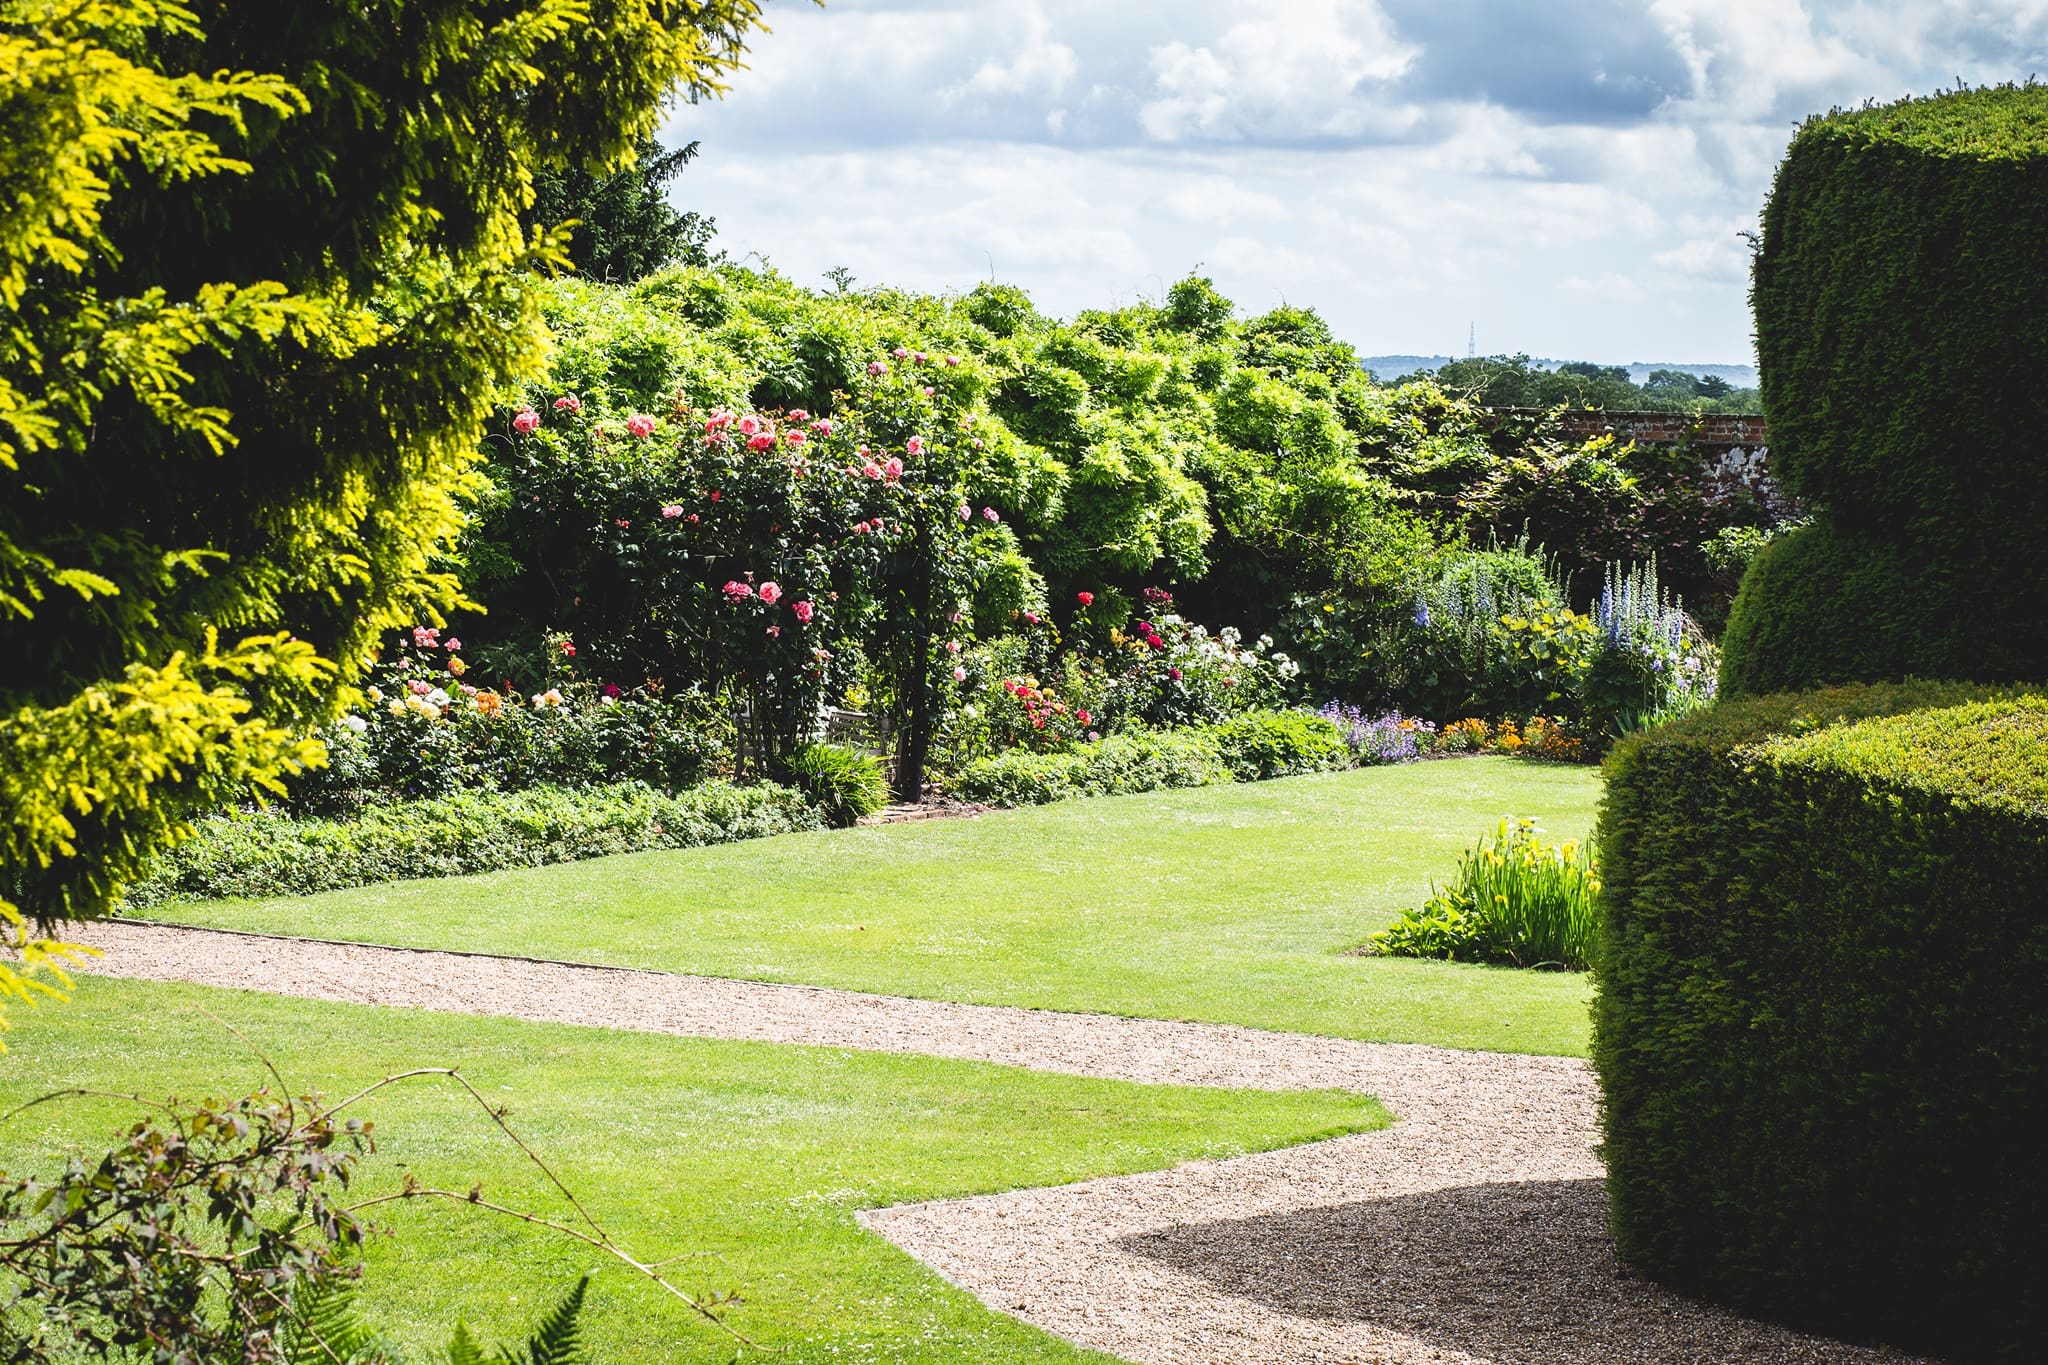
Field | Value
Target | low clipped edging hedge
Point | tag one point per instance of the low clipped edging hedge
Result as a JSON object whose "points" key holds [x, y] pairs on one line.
{"points": [[267, 853], [1822, 1017], [1245, 748]]}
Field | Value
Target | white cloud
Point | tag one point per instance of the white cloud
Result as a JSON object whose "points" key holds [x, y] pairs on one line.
{"points": [[1572, 175]]}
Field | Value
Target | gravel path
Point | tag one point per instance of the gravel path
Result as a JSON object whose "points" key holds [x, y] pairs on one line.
{"points": [[1471, 1231]]}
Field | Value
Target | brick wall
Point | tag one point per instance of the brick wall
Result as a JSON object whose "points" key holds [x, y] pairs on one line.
{"points": [[1661, 428]]}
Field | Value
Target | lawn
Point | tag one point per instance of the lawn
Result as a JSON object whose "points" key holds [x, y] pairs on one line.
{"points": [[759, 1153], [1229, 904]]}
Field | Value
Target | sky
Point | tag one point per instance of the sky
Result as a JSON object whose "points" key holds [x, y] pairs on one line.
{"points": [[1568, 177]]}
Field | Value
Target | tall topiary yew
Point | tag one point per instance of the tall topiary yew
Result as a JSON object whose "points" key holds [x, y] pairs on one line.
{"points": [[262, 272]]}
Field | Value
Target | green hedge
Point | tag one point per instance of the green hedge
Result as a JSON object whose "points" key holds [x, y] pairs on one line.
{"points": [[1246, 748], [1902, 328], [1822, 1017], [267, 853]]}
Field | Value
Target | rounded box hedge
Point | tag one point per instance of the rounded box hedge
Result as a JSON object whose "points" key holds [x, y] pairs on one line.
{"points": [[1822, 1016], [1901, 298]]}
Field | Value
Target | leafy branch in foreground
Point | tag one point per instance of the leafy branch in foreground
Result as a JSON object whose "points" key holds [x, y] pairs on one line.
{"points": [[225, 1232]]}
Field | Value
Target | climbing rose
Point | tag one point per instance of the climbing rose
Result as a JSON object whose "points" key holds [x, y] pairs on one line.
{"points": [[900, 353], [568, 402], [803, 611], [640, 424], [871, 470], [453, 644], [795, 438], [1086, 599], [893, 469], [877, 367], [920, 357], [736, 590], [425, 637], [823, 426], [749, 425], [915, 445], [929, 391], [672, 510], [952, 360], [965, 511], [952, 646], [959, 673], [760, 442], [989, 514], [1081, 716], [799, 415], [525, 420], [1093, 735], [771, 592], [569, 649], [1173, 673]]}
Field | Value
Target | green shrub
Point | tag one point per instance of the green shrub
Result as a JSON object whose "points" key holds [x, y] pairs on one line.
{"points": [[1135, 761], [267, 853], [1517, 899], [1901, 316], [845, 783], [1823, 1010], [1265, 744]]}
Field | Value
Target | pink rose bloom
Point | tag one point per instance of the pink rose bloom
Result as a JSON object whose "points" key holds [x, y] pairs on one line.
{"points": [[453, 644], [1155, 642], [737, 591], [959, 673], [965, 511], [952, 646], [749, 425], [952, 360], [761, 442], [771, 592], [893, 470], [803, 610], [1030, 618], [799, 415], [671, 511], [920, 357], [900, 353], [871, 470], [426, 637], [640, 424], [1173, 673], [775, 632], [860, 528], [692, 518], [525, 420], [1086, 599], [823, 426], [989, 514], [1093, 735], [915, 445], [977, 443], [568, 402], [419, 688], [1081, 716], [877, 367], [929, 391], [795, 438]]}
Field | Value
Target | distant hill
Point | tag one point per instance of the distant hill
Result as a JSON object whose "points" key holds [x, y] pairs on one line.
{"points": [[1394, 366]]}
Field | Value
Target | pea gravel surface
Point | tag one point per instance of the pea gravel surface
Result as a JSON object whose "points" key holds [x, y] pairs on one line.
{"points": [[1473, 1230]]}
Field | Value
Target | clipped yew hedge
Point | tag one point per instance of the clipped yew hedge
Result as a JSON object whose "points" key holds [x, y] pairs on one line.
{"points": [[1822, 1018], [1901, 299]]}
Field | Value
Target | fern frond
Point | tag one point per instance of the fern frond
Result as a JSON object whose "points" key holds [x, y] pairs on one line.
{"points": [[324, 1327], [465, 1349], [559, 1338]]}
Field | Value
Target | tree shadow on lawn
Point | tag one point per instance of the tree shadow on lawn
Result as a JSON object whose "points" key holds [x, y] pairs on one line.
{"points": [[1518, 1274]]}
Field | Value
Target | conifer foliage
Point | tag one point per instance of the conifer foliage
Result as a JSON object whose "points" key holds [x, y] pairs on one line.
{"points": [[262, 270]]}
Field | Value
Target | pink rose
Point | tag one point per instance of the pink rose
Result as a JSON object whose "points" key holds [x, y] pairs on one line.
{"points": [[1173, 673], [672, 510], [761, 442], [775, 632], [900, 353], [1081, 716], [871, 470], [568, 402], [893, 470], [426, 637], [799, 415], [771, 592], [795, 438], [877, 367], [929, 391], [1086, 599], [823, 426], [989, 514], [1094, 736], [965, 511], [976, 443], [915, 445], [419, 689], [640, 425], [525, 420], [959, 673], [749, 425], [453, 644], [952, 646], [803, 610], [736, 590], [952, 360], [920, 357]]}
